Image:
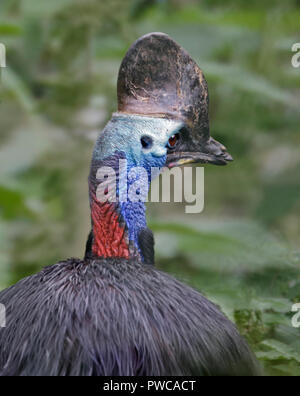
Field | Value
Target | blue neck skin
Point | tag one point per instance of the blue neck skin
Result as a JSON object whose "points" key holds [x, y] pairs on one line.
{"points": [[121, 140], [134, 213]]}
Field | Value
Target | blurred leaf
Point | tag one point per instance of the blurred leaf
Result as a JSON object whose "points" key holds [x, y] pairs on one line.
{"points": [[7, 29], [16, 87], [45, 8], [280, 305], [221, 245], [279, 198], [12, 204], [282, 351], [140, 6], [249, 82]]}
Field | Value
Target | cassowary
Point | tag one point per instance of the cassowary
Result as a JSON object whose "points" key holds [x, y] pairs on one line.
{"points": [[113, 313]]}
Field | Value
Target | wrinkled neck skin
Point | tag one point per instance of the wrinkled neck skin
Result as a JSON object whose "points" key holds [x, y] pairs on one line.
{"points": [[119, 228]]}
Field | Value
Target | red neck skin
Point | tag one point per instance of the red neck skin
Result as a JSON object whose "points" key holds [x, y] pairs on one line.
{"points": [[109, 235], [114, 230]]}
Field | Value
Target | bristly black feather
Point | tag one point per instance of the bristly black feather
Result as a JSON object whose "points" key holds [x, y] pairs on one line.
{"points": [[146, 244], [88, 249], [115, 317]]}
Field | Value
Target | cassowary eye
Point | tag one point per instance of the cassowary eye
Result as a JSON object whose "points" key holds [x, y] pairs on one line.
{"points": [[146, 142], [173, 140]]}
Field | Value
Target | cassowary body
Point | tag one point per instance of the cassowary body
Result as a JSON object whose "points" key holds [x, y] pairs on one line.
{"points": [[116, 317], [113, 313]]}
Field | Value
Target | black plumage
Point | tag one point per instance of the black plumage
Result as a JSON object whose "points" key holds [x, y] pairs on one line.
{"points": [[115, 317]]}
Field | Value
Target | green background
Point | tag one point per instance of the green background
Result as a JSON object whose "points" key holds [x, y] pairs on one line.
{"points": [[58, 91]]}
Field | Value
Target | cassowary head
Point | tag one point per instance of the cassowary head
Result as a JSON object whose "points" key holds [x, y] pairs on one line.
{"points": [[162, 120], [159, 79], [162, 116]]}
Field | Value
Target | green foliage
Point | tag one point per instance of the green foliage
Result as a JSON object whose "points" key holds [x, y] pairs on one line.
{"points": [[12, 204], [251, 275], [59, 89], [7, 29]]}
